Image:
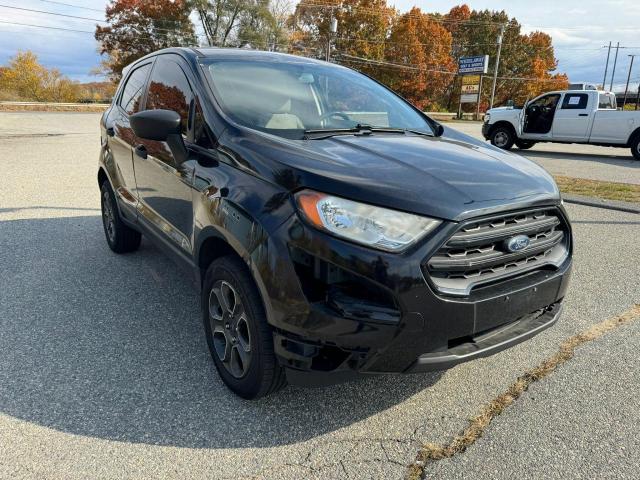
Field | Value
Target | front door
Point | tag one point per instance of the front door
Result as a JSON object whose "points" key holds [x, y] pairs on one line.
{"points": [[573, 118], [538, 116], [164, 186]]}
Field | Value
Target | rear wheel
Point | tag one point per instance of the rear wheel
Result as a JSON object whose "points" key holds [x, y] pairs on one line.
{"points": [[635, 147], [524, 144], [503, 137], [239, 339], [120, 237]]}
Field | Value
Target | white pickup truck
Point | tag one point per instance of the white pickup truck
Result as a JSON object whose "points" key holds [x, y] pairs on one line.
{"points": [[570, 116]]}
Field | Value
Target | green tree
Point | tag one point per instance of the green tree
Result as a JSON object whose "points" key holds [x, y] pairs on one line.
{"points": [[139, 27], [236, 23]]}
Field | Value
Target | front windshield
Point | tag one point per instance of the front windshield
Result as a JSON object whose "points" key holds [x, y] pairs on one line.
{"points": [[288, 99]]}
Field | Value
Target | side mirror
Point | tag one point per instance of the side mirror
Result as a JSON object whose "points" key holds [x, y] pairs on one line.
{"points": [[161, 126], [438, 129], [155, 124]]}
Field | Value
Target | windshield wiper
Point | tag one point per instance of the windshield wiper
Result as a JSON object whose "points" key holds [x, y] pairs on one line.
{"points": [[359, 129]]}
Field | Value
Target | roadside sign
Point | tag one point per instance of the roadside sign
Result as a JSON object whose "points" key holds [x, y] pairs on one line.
{"points": [[470, 88], [471, 80], [469, 98], [477, 64]]}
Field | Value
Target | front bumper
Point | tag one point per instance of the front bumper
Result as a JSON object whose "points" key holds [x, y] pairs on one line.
{"points": [[485, 130], [321, 341]]}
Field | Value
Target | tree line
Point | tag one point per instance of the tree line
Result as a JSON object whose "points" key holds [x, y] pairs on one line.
{"points": [[415, 53]]}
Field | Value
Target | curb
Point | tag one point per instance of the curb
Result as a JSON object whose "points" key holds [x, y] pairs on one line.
{"points": [[599, 203]]}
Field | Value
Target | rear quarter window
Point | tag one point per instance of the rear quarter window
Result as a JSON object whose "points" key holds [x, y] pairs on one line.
{"points": [[575, 101]]}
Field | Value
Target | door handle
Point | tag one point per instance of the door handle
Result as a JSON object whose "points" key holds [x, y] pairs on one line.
{"points": [[110, 131], [141, 151], [583, 114]]}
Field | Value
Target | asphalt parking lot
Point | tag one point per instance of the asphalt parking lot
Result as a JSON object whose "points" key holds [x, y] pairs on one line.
{"points": [[581, 161], [104, 370]]}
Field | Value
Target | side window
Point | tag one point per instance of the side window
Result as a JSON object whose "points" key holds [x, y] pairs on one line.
{"points": [[550, 100], [169, 89], [133, 89], [606, 101], [575, 101]]}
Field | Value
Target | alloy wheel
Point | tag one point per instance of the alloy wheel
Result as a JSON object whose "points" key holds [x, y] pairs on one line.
{"points": [[501, 139], [230, 328]]}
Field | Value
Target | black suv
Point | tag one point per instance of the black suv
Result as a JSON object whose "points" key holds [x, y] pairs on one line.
{"points": [[332, 228]]}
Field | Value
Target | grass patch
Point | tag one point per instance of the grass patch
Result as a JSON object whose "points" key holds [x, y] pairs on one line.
{"points": [[625, 192]]}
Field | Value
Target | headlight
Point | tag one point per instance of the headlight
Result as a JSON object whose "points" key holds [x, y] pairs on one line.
{"points": [[374, 227], [487, 117]]}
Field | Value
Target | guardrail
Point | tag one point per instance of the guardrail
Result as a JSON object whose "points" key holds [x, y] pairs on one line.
{"points": [[52, 107]]}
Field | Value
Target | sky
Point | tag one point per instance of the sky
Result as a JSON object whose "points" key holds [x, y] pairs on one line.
{"points": [[579, 28]]}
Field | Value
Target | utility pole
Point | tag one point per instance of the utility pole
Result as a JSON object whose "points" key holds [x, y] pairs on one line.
{"points": [[332, 32], [626, 88], [495, 69], [637, 97], [606, 67], [613, 72]]}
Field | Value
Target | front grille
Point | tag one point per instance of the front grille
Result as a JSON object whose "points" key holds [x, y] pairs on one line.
{"points": [[477, 254]]}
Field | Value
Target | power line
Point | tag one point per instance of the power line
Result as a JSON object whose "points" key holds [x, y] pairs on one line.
{"points": [[47, 27], [73, 6], [52, 13]]}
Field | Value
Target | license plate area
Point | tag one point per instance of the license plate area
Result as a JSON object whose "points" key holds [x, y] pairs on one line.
{"points": [[493, 312]]}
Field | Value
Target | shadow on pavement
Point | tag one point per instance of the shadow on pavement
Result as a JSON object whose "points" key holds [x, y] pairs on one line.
{"points": [[624, 157], [110, 346]]}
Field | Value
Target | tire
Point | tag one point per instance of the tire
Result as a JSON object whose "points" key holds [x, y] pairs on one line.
{"points": [[635, 147], [120, 237], [240, 340], [524, 144], [503, 137]]}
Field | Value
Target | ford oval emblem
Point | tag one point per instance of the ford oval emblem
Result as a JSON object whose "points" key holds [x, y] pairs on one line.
{"points": [[517, 243]]}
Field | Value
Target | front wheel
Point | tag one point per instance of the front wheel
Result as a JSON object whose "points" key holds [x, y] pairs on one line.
{"points": [[239, 339], [524, 144], [503, 137], [635, 147]]}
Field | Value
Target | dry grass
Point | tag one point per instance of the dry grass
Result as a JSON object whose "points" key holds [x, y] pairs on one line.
{"points": [[626, 192], [431, 452]]}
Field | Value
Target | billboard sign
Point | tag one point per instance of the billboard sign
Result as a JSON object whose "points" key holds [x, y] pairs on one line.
{"points": [[477, 64], [469, 98]]}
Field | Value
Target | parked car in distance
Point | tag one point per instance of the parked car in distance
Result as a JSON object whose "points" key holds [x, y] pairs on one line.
{"points": [[571, 116], [332, 228]]}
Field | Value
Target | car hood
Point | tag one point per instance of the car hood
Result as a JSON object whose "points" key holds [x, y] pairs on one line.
{"points": [[451, 177]]}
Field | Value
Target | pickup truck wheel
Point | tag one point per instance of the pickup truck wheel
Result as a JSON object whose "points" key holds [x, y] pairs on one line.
{"points": [[120, 237], [239, 339], [524, 144], [502, 137], [635, 147]]}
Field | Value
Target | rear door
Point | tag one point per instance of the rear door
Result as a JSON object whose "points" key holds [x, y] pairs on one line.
{"points": [[573, 117], [163, 185]]}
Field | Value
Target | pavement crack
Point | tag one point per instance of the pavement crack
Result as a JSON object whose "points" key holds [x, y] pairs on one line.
{"points": [[431, 452]]}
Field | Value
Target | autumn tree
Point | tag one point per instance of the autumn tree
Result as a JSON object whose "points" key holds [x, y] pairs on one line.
{"points": [[363, 27], [423, 45], [138, 27], [24, 78], [527, 62]]}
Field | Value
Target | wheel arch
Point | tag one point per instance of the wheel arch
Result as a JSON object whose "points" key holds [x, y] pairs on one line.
{"points": [[635, 134], [213, 244], [503, 123]]}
